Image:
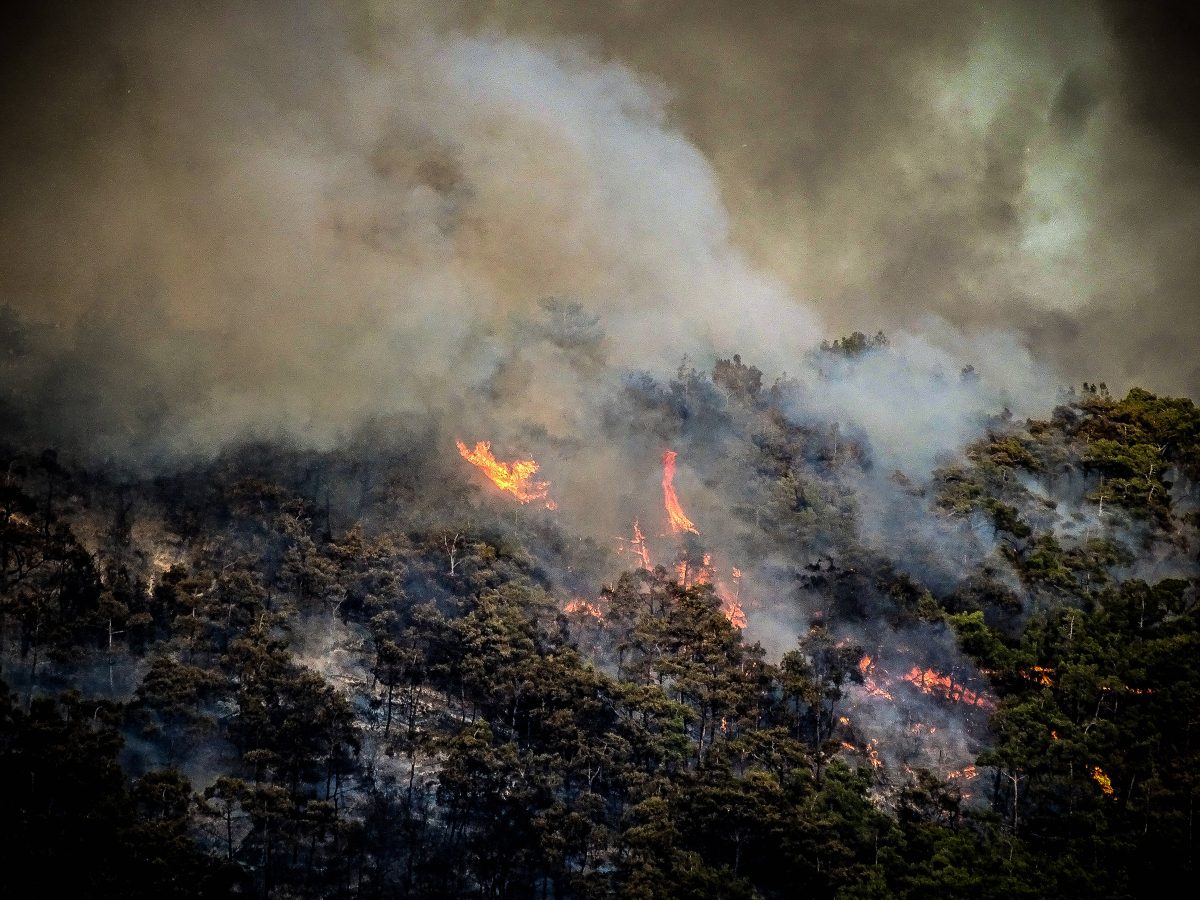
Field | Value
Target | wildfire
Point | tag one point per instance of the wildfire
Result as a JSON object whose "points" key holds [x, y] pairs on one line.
{"points": [[638, 544], [1103, 780], [966, 773], [679, 521], [704, 574], [581, 607], [930, 681], [872, 751], [733, 610], [514, 478], [1043, 675], [731, 604], [866, 666]]}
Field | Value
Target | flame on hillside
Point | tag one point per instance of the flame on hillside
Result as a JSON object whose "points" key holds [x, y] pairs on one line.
{"points": [[731, 600], [705, 573], [638, 545], [1043, 675], [515, 478], [930, 681], [679, 521], [866, 666], [581, 607]]}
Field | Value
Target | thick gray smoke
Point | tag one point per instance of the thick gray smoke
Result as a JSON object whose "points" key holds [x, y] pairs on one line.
{"points": [[268, 229], [1019, 165], [289, 220]]}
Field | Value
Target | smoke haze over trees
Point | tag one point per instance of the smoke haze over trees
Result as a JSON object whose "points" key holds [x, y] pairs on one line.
{"points": [[567, 449]]}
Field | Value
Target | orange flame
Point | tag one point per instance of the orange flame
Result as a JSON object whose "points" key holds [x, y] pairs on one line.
{"points": [[679, 521], [733, 610], [872, 751], [930, 681], [514, 478], [1043, 675], [731, 607], [731, 604], [639, 546], [964, 774], [1103, 780], [581, 607], [866, 666]]}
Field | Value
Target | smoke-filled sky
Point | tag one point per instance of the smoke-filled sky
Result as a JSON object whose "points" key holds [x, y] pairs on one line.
{"points": [[267, 217]]}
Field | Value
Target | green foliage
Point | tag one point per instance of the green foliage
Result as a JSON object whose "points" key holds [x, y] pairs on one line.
{"points": [[369, 677]]}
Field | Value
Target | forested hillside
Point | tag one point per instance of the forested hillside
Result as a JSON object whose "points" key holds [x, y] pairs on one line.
{"points": [[369, 671]]}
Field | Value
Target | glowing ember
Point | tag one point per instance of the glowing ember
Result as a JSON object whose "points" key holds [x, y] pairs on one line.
{"points": [[870, 751], [930, 681], [866, 666], [581, 607], [1124, 687], [679, 522], [1103, 780], [514, 478]]}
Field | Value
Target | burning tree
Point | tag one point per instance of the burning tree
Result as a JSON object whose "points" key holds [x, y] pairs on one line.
{"points": [[515, 478]]}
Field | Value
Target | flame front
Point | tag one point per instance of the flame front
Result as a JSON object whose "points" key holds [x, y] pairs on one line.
{"points": [[930, 681], [866, 666], [514, 478], [679, 521], [581, 607], [1043, 675]]}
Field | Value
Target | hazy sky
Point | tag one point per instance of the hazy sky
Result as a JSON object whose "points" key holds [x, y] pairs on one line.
{"points": [[1034, 165], [258, 216]]}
